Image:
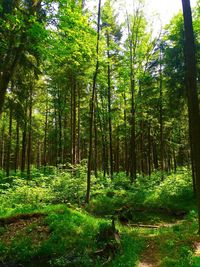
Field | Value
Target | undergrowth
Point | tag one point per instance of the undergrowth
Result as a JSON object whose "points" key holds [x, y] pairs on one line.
{"points": [[66, 234]]}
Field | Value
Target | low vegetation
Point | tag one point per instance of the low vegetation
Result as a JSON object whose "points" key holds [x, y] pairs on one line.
{"points": [[46, 220]]}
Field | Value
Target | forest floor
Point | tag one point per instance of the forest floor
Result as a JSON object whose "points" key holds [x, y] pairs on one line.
{"points": [[158, 240], [158, 229]]}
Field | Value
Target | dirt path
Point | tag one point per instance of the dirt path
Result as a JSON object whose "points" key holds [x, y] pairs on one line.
{"points": [[145, 264], [197, 249], [149, 257]]}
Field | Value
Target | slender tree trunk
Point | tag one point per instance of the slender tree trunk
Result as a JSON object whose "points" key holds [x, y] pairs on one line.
{"points": [[95, 144], [17, 147], [45, 139], [66, 156], [174, 160], [74, 124], [72, 120], [103, 139], [132, 153], [132, 140], [38, 155], [29, 148], [9, 144], [92, 104], [142, 146], [117, 161], [155, 155], [125, 138], [161, 119], [55, 141], [2, 145], [3, 88], [192, 94], [109, 107], [60, 134], [149, 150], [23, 158], [79, 128], [24, 142]]}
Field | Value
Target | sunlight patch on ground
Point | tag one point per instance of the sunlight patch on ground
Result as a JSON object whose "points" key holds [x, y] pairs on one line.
{"points": [[197, 249]]}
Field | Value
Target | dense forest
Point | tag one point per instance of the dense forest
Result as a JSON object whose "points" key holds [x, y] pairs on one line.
{"points": [[99, 134]]}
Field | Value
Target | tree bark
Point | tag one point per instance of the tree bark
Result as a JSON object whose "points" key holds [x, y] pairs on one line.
{"points": [[109, 107], [78, 154], [2, 145], [92, 104], [9, 143], [125, 138], [161, 118], [132, 153], [17, 147], [23, 157], [29, 148], [192, 94], [45, 138]]}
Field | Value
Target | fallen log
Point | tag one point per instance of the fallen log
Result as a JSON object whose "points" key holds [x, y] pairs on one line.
{"points": [[144, 225], [152, 226]]}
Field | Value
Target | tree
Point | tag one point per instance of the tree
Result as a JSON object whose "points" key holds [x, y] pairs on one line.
{"points": [[92, 105], [19, 22], [192, 95]]}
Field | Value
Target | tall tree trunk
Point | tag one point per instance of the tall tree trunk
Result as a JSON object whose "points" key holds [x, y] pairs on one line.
{"points": [[161, 119], [8, 69], [55, 144], [24, 142], [192, 94], [45, 138], [95, 144], [132, 141], [155, 155], [117, 161], [78, 156], [29, 148], [74, 123], [2, 145], [3, 88], [103, 140], [71, 122], [9, 143], [92, 104], [38, 155], [66, 156], [125, 138], [174, 160], [149, 150], [132, 154], [192, 159], [142, 152], [60, 135], [17, 147], [23, 156], [109, 106]]}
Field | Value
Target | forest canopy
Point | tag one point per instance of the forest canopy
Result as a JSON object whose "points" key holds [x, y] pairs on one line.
{"points": [[97, 109]]}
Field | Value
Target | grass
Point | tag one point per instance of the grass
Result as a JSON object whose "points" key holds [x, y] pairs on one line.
{"points": [[65, 233], [70, 235]]}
